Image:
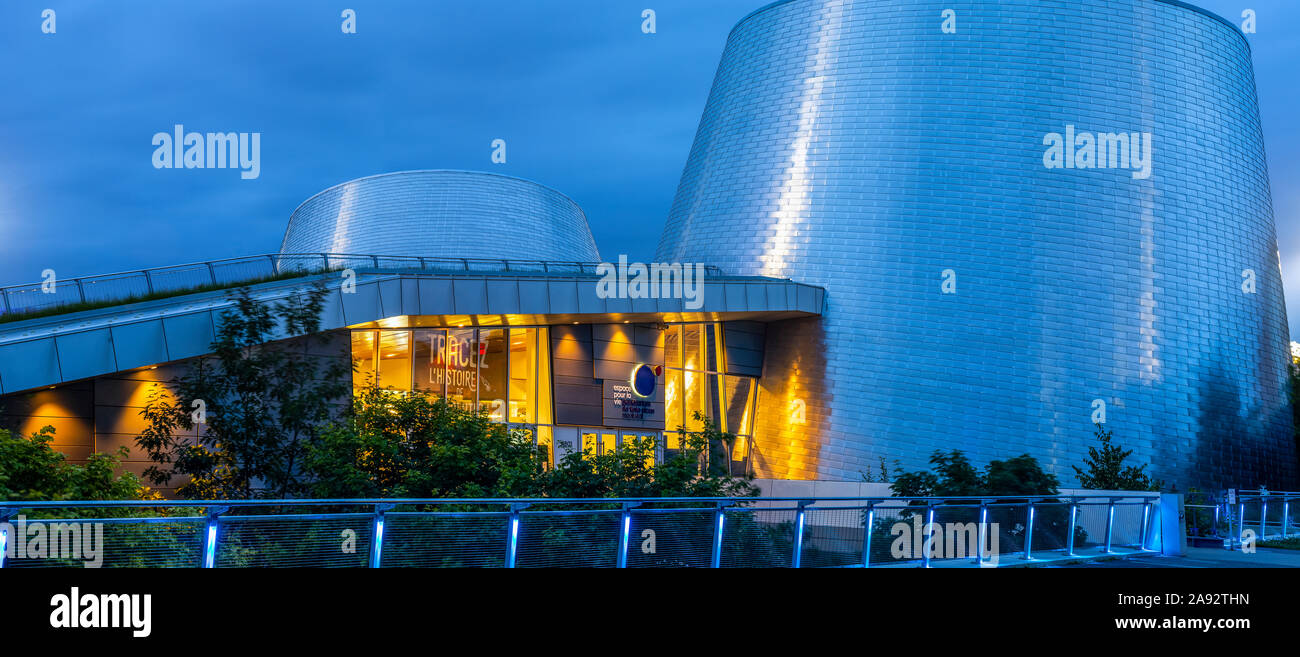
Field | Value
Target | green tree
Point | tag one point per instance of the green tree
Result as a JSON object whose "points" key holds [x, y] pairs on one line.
{"points": [[410, 445], [1106, 469], [31, 469], [1021, 475], [631, 470], [954, 476], [264, 402]]}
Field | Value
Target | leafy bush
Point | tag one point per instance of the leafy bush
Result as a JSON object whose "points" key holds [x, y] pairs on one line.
{"points": [[31, 469], [1106, 469], [411, 445]]}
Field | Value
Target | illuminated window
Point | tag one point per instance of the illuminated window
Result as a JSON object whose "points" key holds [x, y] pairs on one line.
{"points": [[693, 347], [544, 442], [695, 383], [428, 350], [395, 360], [696, 393], [739, 416], [673, 397], [462, 368], [673, 346], [363, 357], [523, 375], [544, 376], [493, 377]]}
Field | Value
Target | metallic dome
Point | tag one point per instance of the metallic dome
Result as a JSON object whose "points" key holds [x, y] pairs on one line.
{"points": [[454, 214]]}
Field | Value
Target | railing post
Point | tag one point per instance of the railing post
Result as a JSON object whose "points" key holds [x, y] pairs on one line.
{"points": [[1241, 519], [212, 273], [208, 555], [1069, 537], [1029, 529], [866, 534], [1110, 523], [5, 294], [927, 545], [5, 515], [1286, 513], [377, 535], [512, 536], [1263, 518], [1142, 535], [148, 280], [797, 557], [81, 291], [981, 539], [1232, 541], [625, 532], [719, 518]]}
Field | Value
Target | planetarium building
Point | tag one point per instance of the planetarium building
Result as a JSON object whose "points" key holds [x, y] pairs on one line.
{"points": [[987, 228], [990, 287]]}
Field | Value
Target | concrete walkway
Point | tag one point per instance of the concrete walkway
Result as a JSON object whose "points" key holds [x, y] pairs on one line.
{"points": [[1204, 558]]}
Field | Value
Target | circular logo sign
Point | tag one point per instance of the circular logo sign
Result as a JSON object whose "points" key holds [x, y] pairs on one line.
{"points": [[644, 379]]}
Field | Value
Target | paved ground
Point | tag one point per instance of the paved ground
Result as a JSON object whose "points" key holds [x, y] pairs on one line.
{"points": [[1201, 558]]}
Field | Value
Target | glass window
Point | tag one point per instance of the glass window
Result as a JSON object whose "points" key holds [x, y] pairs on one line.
{"points": [[543, 384], [673, 396], [462, 368], [428, 348], [566, 441], [395, 360], [544, 443], [493, 376], [673, 346], [523, 375], [363, 357], [696, 400], [590, 444], [641, 441], [739, 417], [693, 346], [714, 349]]}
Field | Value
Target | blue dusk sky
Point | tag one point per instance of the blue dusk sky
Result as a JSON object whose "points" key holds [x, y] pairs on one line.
{"points": [[587, 103]]}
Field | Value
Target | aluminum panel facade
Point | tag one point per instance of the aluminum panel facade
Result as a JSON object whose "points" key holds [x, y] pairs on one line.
{"points": [[857, 146], [452, 214]]}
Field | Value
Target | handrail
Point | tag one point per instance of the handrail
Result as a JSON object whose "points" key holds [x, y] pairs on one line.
{"points": [[123, 285], [973, 499], [716, 532]]}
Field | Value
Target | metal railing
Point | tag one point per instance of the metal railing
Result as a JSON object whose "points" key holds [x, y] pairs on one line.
{"points": [[617, 533], [198, 276], [1214, 519]]}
